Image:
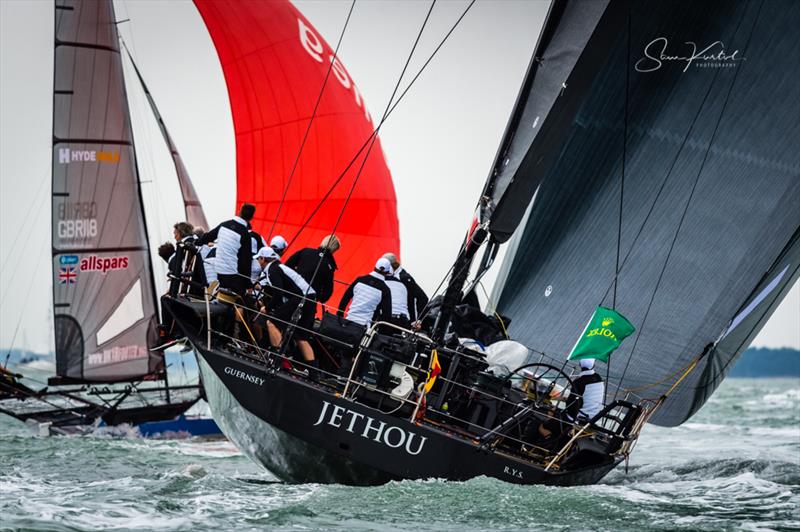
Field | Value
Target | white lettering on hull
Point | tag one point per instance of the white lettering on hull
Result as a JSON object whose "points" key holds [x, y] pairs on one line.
{"points": [[370, 428], [239, 374]]}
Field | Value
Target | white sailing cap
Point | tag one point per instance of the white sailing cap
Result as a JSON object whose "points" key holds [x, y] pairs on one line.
{"points": [[267, 253], [384, 266], [586, 363], [278, 243]]}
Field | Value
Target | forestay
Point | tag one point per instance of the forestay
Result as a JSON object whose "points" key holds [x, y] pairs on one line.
{"points": [[710, 221], [572, 46], [191, 201], [103, 291]]}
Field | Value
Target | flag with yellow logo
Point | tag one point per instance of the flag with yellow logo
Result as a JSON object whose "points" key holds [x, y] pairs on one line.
{"points": [[436, 368], [603, 334]]}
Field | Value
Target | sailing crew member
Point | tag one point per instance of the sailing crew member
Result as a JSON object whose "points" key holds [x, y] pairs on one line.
{"points": [[400, 299], [279, 244], [371, 297], [187, 264], [234, 250], [257, 240], [167, 252], [208, 253], [417, 299], [588, 390], [290, 292], [317, 266]]}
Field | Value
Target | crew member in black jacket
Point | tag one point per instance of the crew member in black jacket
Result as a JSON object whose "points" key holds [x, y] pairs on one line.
{"points": [[187, 264], [289, 292], [234, 250], [305, 263]]}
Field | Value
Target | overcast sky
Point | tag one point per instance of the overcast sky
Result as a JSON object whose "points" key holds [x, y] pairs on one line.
{"points": [[439, 143]]}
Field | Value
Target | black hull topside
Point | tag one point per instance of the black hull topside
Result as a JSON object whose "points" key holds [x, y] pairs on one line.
{"points": [[303, 433]]}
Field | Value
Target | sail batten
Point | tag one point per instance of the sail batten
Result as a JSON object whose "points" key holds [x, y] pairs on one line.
{"points": [[99, 233]]}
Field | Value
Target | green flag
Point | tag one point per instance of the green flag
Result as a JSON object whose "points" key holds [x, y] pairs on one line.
{"points": [[602, 335]]}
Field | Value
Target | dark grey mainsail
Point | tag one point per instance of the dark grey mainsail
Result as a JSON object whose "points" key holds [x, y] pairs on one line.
{"points": [[191, 201], [103, 289], [710, 216], [572, 46]]}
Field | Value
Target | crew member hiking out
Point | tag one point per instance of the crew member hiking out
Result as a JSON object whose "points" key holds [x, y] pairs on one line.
{"points": [[234, 250], [371, 298], [305, 263], [417, 299]]}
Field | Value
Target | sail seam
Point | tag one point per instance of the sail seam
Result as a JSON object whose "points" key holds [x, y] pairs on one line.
{"points": [[58, 140], [57, 251], [87, 46]]}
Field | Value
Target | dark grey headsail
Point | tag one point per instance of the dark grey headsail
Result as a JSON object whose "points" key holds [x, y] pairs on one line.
{"points": [[103, 290], [572, 47], [191, 201], [710, 220]]}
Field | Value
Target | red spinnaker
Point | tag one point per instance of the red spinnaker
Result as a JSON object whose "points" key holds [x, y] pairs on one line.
{"points": [[275, 63]]}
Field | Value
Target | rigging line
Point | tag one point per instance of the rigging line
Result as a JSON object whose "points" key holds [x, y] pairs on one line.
{"points": [[311, 122], [374, 132], [694, 187], [22, 311], [147, 155], [374, 137], [622, 182], [665, 180], [22, 255], [24, 221], [624, 158]]}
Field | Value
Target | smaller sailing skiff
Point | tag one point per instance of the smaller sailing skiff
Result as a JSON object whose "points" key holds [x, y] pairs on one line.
{"points": [[104, 289]]}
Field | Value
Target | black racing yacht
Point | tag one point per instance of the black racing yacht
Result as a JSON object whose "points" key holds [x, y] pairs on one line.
{"points": [[632, 174]]}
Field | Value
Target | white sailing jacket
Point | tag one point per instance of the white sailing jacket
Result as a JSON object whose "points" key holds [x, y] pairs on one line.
{"points": [[234, 247], [399, 297]]}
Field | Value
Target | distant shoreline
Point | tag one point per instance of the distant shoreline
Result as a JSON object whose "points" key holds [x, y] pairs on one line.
{"points": [[755, 362]]}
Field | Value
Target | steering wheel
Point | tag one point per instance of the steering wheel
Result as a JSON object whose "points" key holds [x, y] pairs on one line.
{"points": [[544, 381]]}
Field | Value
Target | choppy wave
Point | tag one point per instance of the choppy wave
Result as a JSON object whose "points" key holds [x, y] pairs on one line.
{"points": [[735, 466]]}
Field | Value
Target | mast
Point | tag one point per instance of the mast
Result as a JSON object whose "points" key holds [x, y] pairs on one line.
{"points": [[140, 199], [571, 48]]}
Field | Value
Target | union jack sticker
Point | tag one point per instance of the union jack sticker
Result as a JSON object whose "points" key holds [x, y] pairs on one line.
{"points": [[67, 275]]}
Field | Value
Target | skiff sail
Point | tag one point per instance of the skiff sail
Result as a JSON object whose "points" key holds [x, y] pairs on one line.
{"points": [[710, 229], [104, 294]]}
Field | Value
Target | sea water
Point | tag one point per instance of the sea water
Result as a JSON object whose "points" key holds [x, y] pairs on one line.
{"points": [[734, 466]]}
